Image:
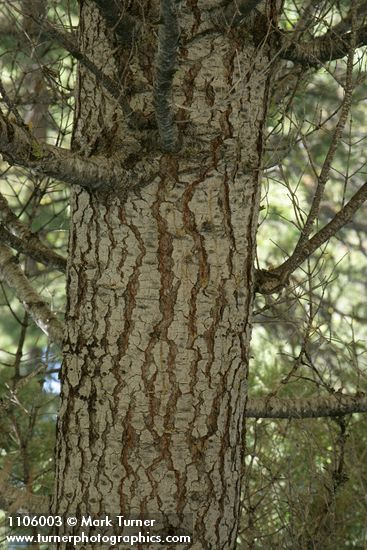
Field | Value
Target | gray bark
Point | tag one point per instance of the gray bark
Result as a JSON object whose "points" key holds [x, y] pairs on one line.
{"points": [[160, 288]]}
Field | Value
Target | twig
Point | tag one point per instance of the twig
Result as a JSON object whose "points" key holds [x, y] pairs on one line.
{"points": [[326, 167], [268, 282]]}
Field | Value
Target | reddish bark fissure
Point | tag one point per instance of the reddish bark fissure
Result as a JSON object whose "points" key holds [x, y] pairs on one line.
{"points": [[160, 291]]}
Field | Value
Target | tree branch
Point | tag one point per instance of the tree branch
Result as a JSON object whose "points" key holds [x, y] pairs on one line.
{"points": [[66, 40], [13, 276], [326, 167], [276, 279], [19, 236], [336, 404], [235, 12], [168, 37], [33, 248], [96, 173], [321, 49], [11, 399], [268, 282], [340, 219]]}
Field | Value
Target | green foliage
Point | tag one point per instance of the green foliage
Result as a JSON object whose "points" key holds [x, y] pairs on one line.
{"points": [[305, 479]]}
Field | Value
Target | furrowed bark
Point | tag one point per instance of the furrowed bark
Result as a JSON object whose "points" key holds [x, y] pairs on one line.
{"points": [[160, 293], [123, 24], [68, 41]]}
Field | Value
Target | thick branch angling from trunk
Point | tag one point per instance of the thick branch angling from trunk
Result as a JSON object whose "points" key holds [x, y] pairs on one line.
{"points": [[96, 173], [13, 276], [19, 236], [336, 404]]}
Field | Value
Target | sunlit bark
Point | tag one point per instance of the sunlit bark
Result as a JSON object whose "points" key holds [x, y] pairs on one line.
{"points": [[160, 287]]}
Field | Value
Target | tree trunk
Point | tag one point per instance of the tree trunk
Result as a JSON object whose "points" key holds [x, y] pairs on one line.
{"points": [[160, 283]]}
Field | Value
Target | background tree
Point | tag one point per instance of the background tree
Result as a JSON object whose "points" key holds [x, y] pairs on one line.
{"points": [[180, 109]]}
